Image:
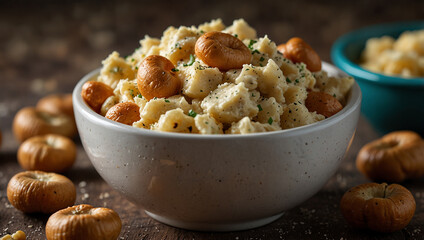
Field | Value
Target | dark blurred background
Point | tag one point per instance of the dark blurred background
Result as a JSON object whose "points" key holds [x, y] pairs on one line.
{"points": [[70, 38], [47, 46]]}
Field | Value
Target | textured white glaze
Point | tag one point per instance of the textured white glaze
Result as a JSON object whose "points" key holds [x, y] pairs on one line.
{"points": [[217, 182]]}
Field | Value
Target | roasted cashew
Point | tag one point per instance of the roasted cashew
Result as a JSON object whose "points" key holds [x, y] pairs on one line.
{"points": [[222, 50], [156, 78], [298, 50]]}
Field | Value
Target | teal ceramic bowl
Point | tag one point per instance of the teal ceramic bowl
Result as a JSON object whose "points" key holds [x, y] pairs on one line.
{"points": [[389, 103]]}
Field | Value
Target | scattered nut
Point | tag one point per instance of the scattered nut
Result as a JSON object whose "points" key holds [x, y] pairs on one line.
{"points": [[83, 222], [95, 93], [155, 78], [395, 157], [322, 103], [56, 104], [379, 207], [222, 50], [50, 153], [37, 191], [30, 122], [126, 113], [297, 50], [18, 235]]}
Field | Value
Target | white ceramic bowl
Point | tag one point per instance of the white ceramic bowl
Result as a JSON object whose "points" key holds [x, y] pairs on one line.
{"points": [[217, 182]]}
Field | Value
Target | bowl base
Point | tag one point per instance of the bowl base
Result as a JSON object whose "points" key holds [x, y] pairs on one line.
{"points": [[215, 227]]}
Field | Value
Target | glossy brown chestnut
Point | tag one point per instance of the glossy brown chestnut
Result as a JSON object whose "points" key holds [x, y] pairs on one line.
{"points": [[379, 207], [395, 157], [42, 192], [83, 222], [50, 153]]}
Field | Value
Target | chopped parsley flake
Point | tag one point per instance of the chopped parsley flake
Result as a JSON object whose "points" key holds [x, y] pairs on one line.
{"points": [[139, 95], [250, 46], [260, 107], [190, 62], [297, 80], [166, 100], [270, 120], [236, 35], [288, 80], [175, 70], [192, 113], [261, 59], [255, 51]]}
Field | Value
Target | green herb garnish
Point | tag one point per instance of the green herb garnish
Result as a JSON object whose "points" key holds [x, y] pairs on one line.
{"points": [[190, 62], [250, 46], [260, 107], [192, 113], [270, 120]]}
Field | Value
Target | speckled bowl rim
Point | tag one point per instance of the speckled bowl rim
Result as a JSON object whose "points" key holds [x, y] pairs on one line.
{"points": [[353, 69], [353, 102]]}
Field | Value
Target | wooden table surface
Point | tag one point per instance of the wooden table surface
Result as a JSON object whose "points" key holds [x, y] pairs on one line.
{"points": [[47, 48]]}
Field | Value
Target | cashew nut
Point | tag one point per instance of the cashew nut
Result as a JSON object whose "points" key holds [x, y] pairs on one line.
{"points": [[95, 93], [298, 50], [126, 113], [156, 78], [222, 50], [322, 103]]}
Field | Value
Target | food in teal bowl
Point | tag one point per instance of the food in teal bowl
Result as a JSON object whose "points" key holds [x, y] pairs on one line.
{"points": [[389, 102]]}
